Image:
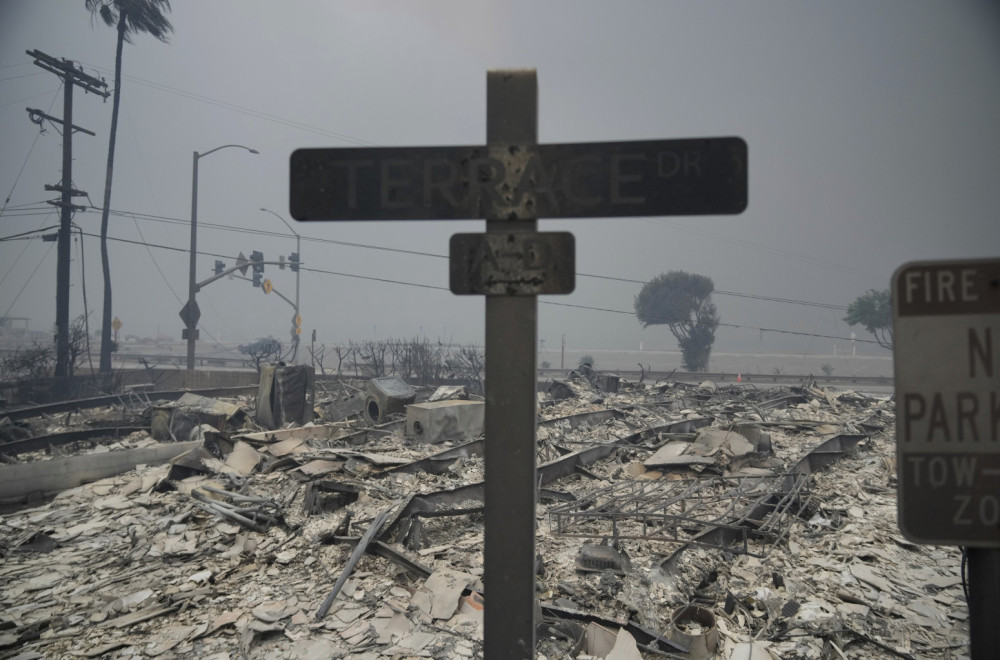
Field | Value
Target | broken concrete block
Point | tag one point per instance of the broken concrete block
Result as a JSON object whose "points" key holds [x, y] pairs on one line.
{"points": [[387, 396], [440, 421]]}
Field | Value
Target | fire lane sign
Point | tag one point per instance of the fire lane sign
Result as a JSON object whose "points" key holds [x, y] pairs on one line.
{"points": [[946, 345], [696, 176]]}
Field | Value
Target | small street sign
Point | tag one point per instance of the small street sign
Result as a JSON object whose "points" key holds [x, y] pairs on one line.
{"points": [[116, 324], [190, 313], [512, 264], [946, 346], [267, 286], [699, 176], [242, 262]]}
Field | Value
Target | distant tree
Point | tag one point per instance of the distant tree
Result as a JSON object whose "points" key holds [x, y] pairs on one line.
{"points": [[683, 302], [261, 352], [586, 360], [79, 344], [35, 361], [873, 310], [128, 17]]}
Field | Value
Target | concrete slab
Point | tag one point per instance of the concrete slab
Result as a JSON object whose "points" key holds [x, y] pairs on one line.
{"points": [[440, 421], [17, 482]]}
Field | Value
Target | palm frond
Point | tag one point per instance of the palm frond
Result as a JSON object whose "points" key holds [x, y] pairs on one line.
{"points": [[134, 16]]}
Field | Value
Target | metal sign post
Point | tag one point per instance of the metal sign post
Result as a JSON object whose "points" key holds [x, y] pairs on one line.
{"points": [[512, 181], [511, 402], [946, 348]]}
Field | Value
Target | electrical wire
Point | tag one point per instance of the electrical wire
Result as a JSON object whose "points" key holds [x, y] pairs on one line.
{"points": [[40, 261], [544, 302], [23, 75], [241, 109], [28, 155], [27, 98], [270, 233], [23, 249], [725, 325]]}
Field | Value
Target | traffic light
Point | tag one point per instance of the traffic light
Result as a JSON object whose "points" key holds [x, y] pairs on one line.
{"points": [[294, 258], [219, 267], [257, 259], [256, 277]]}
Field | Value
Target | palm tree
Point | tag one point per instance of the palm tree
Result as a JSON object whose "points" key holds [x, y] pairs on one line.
{"points": [[128, 17]]}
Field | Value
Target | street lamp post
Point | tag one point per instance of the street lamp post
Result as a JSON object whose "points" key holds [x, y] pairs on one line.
{"points": [[190, 312], [298, 251]]}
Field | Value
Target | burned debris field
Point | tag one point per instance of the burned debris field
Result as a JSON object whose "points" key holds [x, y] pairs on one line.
{"points": [[673, 520]]}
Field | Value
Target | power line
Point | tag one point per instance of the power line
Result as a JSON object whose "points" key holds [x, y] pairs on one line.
{"points": [[727, 325], [28, 155], [28, 233], [28, 98], [342, 136], [23, 75], [40, 262], [384, 280], [241, 109], [724, 293], [265, 232], [328, 133]]}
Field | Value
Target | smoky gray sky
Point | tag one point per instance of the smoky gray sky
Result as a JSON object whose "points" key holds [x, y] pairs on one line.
{"points": [[871, 126]]}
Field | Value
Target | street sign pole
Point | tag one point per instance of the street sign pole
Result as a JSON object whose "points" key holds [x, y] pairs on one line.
{"points": [[512, 181], [946, 348], [984, 602], [510, 414]]}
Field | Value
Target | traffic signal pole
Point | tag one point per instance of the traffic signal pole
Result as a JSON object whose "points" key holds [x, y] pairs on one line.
{"points": [[192, 315]]}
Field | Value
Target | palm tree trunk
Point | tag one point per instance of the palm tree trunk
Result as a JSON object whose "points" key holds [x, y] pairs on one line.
{"points": [[106, 344]]}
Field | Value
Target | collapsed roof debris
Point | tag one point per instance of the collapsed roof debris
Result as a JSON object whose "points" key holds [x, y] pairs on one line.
{"points": [[674, 520]]}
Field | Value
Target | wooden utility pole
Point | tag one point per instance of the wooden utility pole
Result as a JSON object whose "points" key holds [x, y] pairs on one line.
{"points": [[71, 75]]}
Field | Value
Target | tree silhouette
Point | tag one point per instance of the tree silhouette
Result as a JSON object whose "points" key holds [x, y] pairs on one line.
{"points": [[874, 311], [683, 302], [128, 17]]}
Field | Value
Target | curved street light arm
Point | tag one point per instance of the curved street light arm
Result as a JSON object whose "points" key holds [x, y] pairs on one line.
{"points": [[253, 151]]}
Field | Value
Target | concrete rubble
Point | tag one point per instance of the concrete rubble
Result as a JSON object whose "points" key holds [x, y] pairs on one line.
{"points": [[673, 521]]}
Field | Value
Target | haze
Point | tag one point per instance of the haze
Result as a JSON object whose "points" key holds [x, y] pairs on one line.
{"points": [[872, 133]]}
